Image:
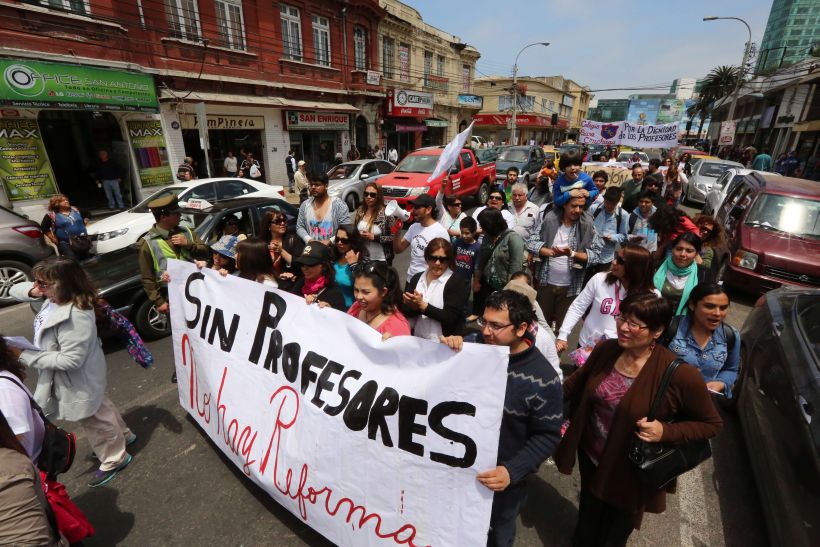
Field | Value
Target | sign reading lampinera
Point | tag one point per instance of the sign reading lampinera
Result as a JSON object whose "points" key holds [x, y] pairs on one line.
{"points": [[36, 84], [369, 442]]}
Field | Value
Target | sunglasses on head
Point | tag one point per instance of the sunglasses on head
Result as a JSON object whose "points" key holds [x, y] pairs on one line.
{"points": [[376, 268], [438, 258]]}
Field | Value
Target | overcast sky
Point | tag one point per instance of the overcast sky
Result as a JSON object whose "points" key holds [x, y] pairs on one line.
{"points": [[601, 44]]}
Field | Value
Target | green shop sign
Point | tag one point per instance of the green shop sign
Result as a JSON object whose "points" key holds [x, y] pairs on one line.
{"points": [[24, 166], [34, 84]]}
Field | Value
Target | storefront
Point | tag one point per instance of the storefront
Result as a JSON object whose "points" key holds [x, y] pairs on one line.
{"points": [[436, 132], [404, 124], [316, 137], [56, 118], [238, 134]]}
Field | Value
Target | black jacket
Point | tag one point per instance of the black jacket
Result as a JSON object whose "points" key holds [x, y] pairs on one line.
{"points": [[331, 294], [451, 316]]}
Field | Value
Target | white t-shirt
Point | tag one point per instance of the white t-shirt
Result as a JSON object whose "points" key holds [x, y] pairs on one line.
{"points": [[230, 164], [449, 222], [545, 343], [23, 420], [419, 237], [508, 216], [559, 266]]}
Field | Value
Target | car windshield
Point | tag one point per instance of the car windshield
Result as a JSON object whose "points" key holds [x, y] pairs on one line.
{"points": [[417, 163], [626, 156], [342, 171], [142, 207], [714, 170], [799, 217], [513, 154]]}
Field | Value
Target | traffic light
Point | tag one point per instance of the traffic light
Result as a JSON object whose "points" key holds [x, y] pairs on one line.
{"points": [[555, 119]]}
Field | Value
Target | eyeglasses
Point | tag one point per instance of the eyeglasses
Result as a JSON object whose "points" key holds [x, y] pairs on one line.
{"points": [[492, 326], [342, 240], [632, 325], [371, 194], [619, 260], [43, 283], [437, 258], [457, 204]]}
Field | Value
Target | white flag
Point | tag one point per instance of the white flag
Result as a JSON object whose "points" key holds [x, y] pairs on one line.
{"points": [[450, 153]]}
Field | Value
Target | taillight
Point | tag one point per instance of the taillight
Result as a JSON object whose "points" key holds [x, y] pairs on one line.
{"points": [[31, 231], [282, 193]]}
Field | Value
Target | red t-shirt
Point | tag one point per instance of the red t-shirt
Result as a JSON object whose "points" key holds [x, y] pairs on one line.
{"points": [[396, 323], [684, 226]]}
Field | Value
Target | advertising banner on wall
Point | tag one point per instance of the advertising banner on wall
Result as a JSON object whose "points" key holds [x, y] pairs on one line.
{"points": [[628, 134], [369, 442], [148, 143], [643, 111], [727, 133], [408, 103], [322, 121], [35, 84], [24, 165], [670, 110]]}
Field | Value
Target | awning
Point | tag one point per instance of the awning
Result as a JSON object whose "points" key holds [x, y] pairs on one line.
{"points": [[434, 122], [803, 127], [276, 102]]}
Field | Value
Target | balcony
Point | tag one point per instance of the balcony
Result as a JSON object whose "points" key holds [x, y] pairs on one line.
{"points": [[437, 83]]}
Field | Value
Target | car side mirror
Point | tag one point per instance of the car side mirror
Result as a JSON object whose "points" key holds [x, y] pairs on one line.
{"points": [[454, 170], [364, 176]]}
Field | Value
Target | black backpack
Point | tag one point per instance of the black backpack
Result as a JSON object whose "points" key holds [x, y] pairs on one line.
{"points": [[670, 332]]}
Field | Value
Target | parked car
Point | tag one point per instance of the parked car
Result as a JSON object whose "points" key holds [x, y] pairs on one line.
{"points": [[485, 155], [123, 229], [772, 226], [477, 141], [550, 154], [22, 245], [704, 174], [722, 186], [116, 274], [778, 392], [347, 179], [468, 176], [528, 159]]}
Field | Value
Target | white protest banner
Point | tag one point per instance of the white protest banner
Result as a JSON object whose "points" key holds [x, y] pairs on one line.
{"points": [[368, 442], [450, 153], [627, 134], [617, 173]]}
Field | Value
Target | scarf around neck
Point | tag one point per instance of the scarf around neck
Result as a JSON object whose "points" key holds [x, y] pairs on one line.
{"points": [[691, 273], [314, 286]]}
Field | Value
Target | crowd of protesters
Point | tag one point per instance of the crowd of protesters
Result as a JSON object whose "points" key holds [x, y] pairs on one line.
{"points": [[624, 261]]}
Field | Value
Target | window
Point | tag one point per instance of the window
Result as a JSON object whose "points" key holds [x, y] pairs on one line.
{"points": [[428, 65], [183, 18], [291, 32], [360, 48], [388, 62], [504, 103], [79, 7], [467, 160], [440, 65], [465, 78], [233, 188], [229, 21], [321, 39]]}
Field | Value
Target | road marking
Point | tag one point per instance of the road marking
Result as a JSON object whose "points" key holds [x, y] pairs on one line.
{"points": [[693, 520]]}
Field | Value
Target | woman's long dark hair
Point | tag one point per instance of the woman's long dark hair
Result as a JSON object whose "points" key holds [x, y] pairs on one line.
{"points": [[639, 268], [355, 239], [254, 259], [383, 277], [492, 222], [361, 210], [10, 363], [267, 220], [71, 283], [717, 236], [666, 219]]}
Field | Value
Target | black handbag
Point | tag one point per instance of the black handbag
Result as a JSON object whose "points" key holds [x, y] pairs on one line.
{"points": [[59, 446], [658, 463], [80, 244]]}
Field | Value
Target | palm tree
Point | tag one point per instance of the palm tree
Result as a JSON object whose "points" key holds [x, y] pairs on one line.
{"points": [[719, 83]]}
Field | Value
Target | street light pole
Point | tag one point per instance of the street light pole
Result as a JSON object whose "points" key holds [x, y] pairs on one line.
{"points": [[746, 50], [515, 89]]}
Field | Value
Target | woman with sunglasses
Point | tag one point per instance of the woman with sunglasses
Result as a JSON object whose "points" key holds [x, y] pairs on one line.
{"points": [[377, 297], [375, 228], [434, 299], [609, 399], [348, 250], [283, 246], [497, 200], [600, 299], [452, 213]]}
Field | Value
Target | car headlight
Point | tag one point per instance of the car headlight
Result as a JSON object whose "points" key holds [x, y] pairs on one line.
{"points": [[111, 235], [702, 187], [746, 260], [418, 191]]}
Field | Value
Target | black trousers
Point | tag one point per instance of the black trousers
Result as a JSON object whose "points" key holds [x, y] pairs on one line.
{"points": [[506, 505], [599, 523]]}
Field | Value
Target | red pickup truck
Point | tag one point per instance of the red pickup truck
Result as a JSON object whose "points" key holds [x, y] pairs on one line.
{"points": [[409, 179]]}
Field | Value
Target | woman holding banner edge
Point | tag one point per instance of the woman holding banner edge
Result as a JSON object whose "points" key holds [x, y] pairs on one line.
{"points": [[377, 296]]}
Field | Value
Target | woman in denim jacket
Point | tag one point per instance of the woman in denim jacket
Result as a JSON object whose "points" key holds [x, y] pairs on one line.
{"points": [[705, 342]]}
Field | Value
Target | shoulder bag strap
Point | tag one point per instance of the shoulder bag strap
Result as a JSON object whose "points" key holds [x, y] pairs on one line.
{"points": [[33, 403], [665, 381]]}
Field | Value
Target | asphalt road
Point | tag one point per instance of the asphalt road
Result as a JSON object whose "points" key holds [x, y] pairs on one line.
{"points": [[179, 490]]}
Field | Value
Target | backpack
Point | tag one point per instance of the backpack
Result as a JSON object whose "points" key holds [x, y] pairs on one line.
{"points": [[670, 332], [618, 213], [633, 220]]}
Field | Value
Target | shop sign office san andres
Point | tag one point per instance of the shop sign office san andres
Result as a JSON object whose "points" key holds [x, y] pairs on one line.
{"points": [[316, 121], [409, 103], [35, 84]]}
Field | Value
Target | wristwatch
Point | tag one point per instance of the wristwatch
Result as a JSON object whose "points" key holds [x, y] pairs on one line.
{"points": [[571, 253]]}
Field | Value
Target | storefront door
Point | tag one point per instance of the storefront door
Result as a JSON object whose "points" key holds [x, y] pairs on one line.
{"points": [[240, 142], [72, 140]]}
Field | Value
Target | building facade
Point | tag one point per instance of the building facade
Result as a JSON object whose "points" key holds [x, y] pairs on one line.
{"points": [[153, 82], [428, 78], [576, 100], [792, 34]]}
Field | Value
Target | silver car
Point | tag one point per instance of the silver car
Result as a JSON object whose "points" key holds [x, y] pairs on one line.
{"points": [[21, 246], [722, 185], [704, 174], [347, 179]]}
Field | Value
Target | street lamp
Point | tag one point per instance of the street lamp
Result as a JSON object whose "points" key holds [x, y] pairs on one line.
{"points": [[515, 88], [746, 49]]}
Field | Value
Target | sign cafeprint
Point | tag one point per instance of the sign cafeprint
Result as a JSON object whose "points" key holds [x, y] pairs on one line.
{"points": [[409, 103], [35, 84]]}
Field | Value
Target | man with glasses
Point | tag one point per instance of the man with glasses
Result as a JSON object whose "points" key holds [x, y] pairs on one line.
{"points": [[419, 234], [321, 214], [533, 409]]}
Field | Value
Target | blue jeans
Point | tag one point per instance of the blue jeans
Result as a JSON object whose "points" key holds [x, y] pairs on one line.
{"points": [[113, 194], [506, 505]]}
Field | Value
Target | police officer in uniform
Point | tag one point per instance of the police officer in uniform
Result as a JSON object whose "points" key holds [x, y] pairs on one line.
{"points": [[166, 239]]}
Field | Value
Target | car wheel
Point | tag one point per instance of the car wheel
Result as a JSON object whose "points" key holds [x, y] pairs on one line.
{"points": [[352, 202], [482, 194], [150, 323], [11, 273]]}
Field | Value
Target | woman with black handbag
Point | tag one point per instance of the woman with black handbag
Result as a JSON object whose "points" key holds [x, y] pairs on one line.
{"points": [[64, 226], [610, 399]]}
